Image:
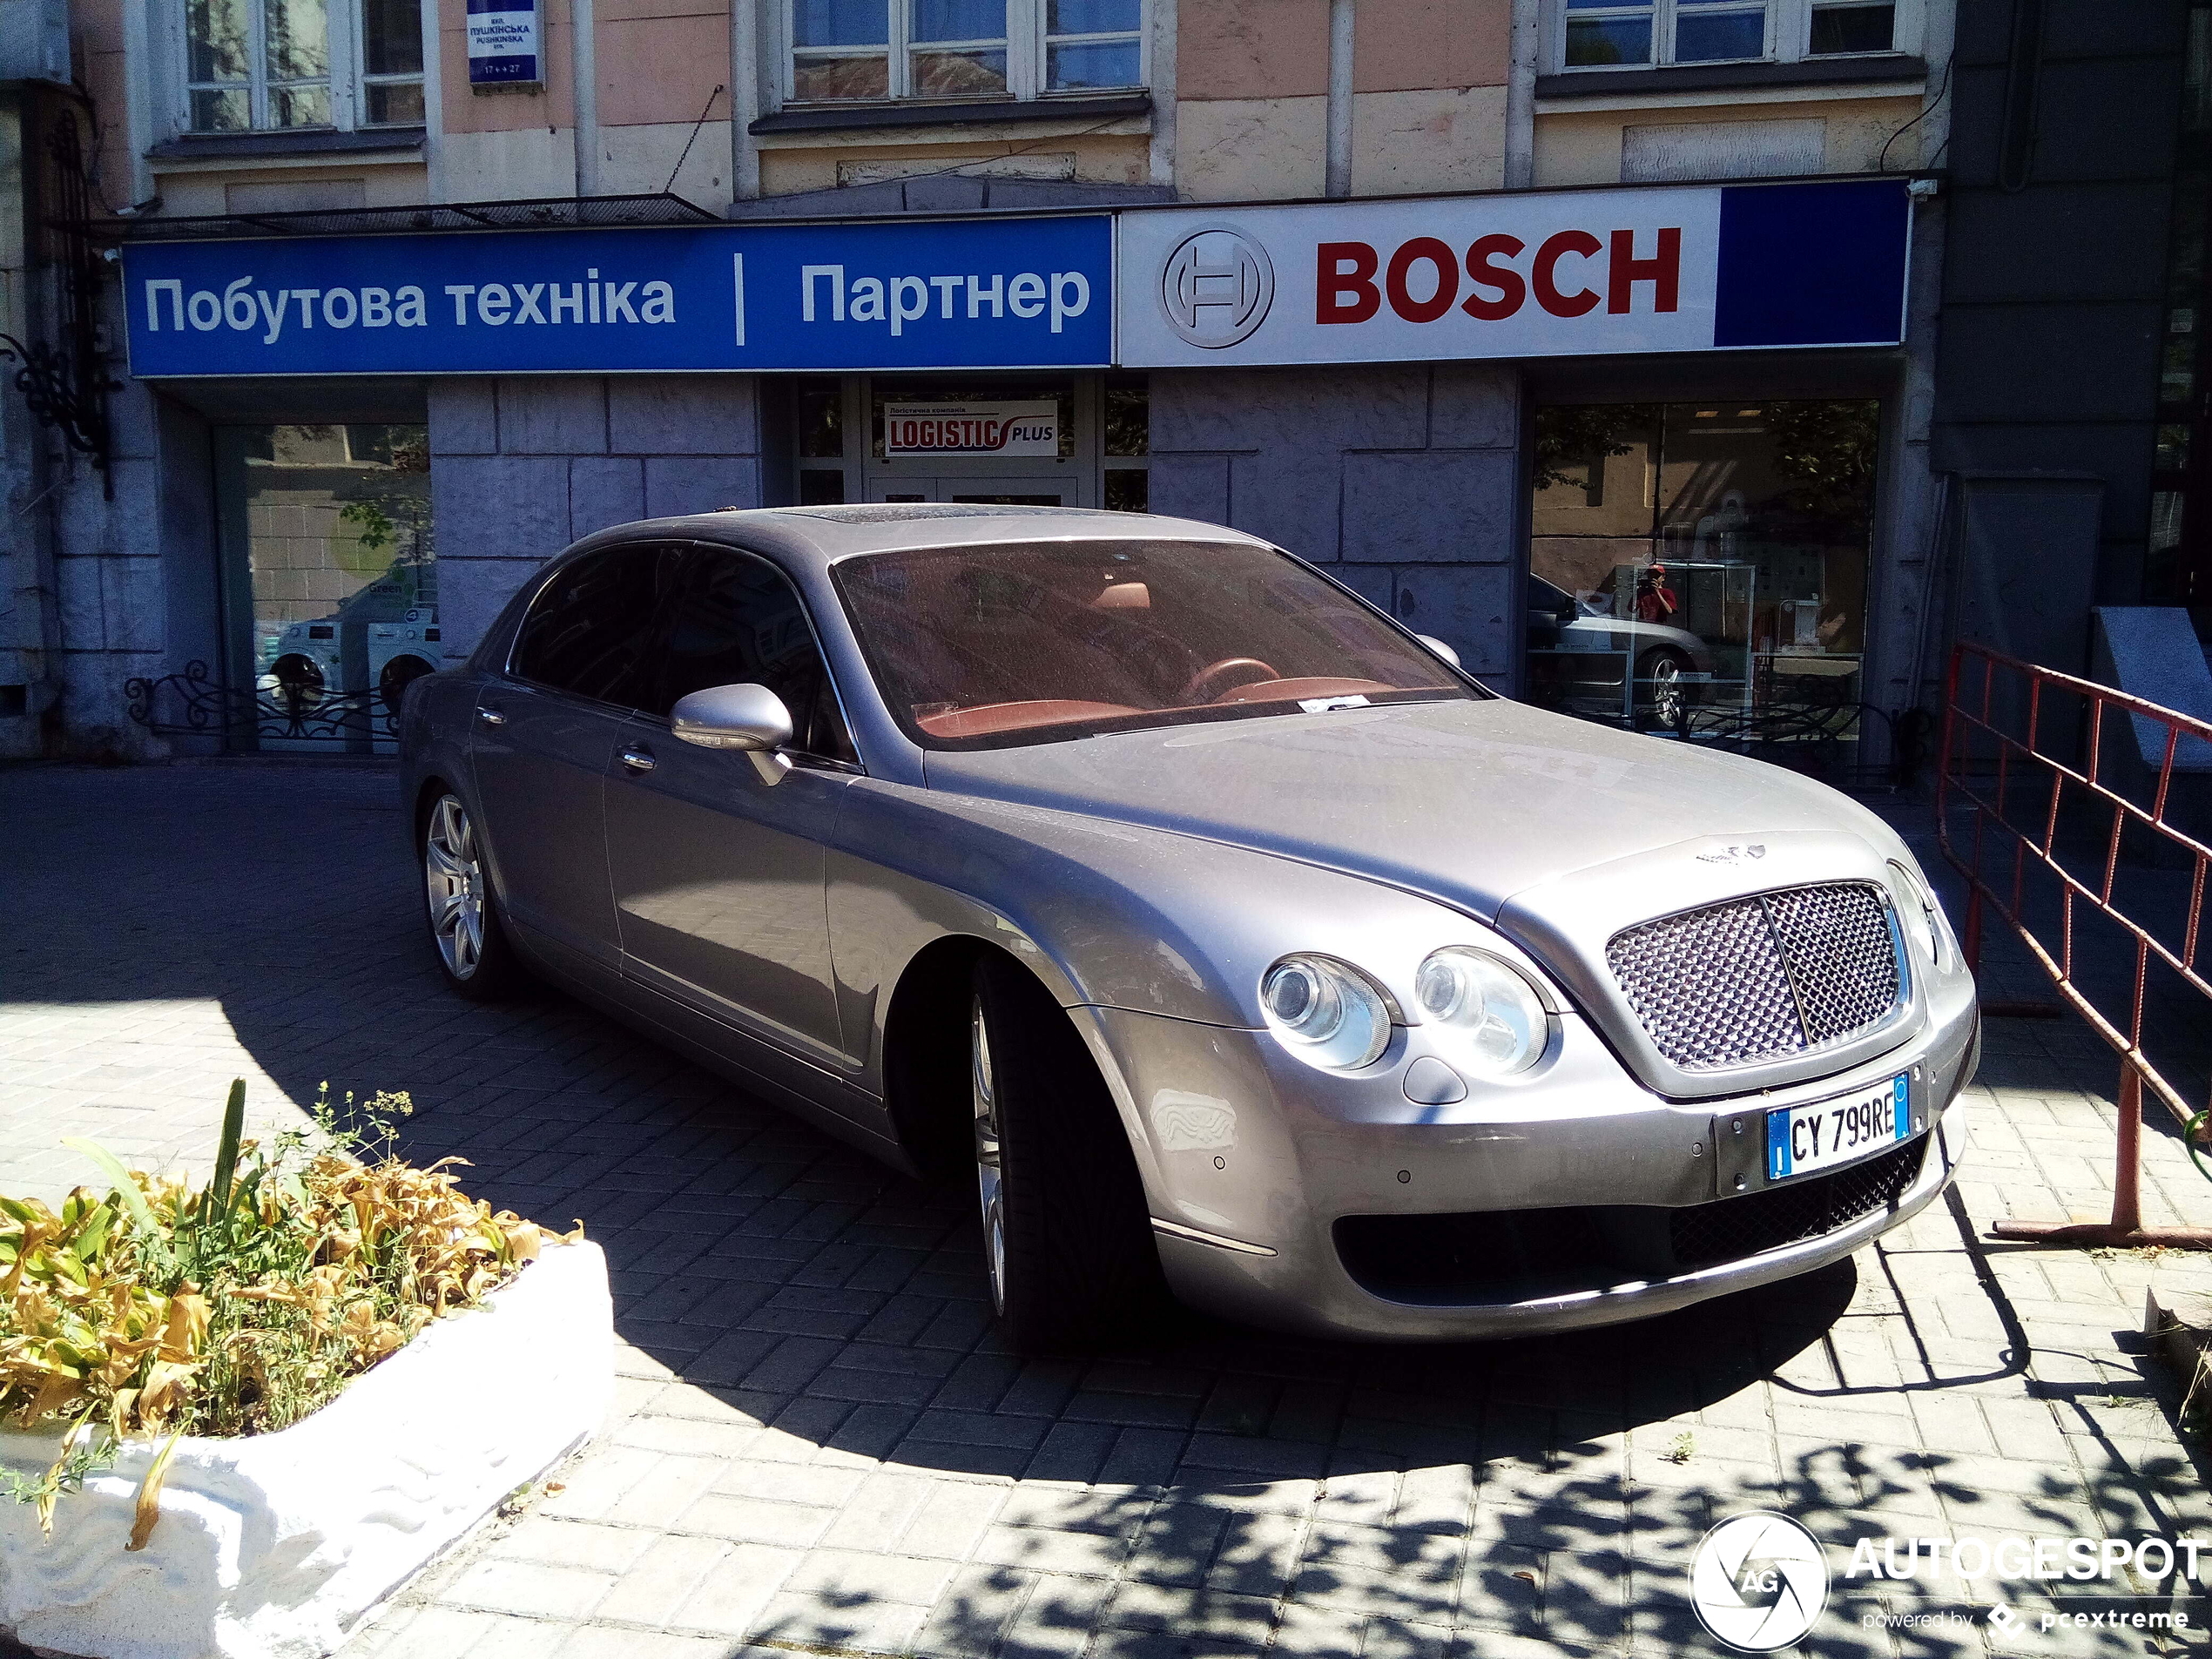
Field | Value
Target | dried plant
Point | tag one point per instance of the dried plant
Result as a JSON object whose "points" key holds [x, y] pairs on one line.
{"points": [[237, 1307]]}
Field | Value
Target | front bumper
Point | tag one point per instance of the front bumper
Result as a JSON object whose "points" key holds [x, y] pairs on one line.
{"points": [[1251, 1159]]}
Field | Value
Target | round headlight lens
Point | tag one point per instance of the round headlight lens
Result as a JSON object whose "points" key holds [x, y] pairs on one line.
{"points": [[1326, 1014], [1497, 1008]]}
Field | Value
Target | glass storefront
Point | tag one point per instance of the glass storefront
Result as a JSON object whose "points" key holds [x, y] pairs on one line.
{"points": [[1700, 569], [331, 580]]}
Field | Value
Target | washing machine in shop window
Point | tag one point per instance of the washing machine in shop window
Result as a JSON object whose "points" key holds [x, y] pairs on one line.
{"points": [[306, 662], [399, 652]]}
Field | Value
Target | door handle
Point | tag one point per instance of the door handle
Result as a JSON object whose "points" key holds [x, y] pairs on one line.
{"points": [[637, 760], [491, 717]]}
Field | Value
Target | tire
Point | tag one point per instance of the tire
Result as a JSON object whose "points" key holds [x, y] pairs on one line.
{"points": [[471, 947], [1663, 698], [1067, 1238]]}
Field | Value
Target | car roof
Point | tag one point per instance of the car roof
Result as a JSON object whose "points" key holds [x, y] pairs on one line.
{"points": [[816, 537]]}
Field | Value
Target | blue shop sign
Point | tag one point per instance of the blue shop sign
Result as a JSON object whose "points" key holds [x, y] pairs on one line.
{"points": [[974, 293]]}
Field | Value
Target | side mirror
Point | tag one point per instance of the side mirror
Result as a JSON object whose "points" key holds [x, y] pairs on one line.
{"points": [[749, 717], [1429, 640]]}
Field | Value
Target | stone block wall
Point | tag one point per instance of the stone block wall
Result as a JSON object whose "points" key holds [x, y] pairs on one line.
{"points": [[111, 581], [1403, 480], [520, 467]]}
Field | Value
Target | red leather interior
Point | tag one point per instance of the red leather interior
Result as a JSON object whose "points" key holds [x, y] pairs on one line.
{"points": [[1291, 690], [987, 718]]}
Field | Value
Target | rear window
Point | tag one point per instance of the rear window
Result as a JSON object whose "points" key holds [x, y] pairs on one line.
{"points": [[988, 647]]}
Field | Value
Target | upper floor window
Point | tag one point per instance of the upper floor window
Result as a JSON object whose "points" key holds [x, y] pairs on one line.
{"points": [[1645, 34], [961, 49], [275, 65]]}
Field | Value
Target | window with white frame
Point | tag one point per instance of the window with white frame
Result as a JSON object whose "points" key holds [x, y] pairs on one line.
{"points": [[277, 66], [847, 49], [1646, 34]]}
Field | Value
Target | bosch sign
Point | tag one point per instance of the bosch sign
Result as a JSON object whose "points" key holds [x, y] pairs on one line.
{"points": [[1345, 289], [1517, 275]]}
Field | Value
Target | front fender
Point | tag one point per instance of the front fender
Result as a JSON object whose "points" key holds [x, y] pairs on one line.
{"points": [[1107, 914]]}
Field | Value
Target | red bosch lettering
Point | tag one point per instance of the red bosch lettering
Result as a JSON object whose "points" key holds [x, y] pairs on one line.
{"points": [[1341, 268]]}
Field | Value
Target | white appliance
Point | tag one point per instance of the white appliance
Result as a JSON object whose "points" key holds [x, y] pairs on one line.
{"points": [[305, 661], [398, 652]]}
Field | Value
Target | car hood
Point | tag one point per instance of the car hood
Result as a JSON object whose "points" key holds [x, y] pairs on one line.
{"points": [[1469, 802]]}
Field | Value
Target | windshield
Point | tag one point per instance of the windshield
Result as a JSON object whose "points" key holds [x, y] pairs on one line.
{"points": [[984, 647]]}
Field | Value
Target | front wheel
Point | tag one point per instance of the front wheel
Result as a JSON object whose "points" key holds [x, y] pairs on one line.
{"points": [[473, 952], [1663, 690], [1066, 1239]]}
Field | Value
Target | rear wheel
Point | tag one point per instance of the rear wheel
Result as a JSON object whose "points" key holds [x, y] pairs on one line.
{"points": [[1067, 1240], [473, 952], [1663, 690]]}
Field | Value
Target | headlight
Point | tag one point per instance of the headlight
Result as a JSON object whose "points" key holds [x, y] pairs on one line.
{"points": [[1499, 1010], [1921, 913], [1326, 1013]]}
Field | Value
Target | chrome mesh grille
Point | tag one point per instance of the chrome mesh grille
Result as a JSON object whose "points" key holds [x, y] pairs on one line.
{"points": [[1843, 961], [1759, 978]]}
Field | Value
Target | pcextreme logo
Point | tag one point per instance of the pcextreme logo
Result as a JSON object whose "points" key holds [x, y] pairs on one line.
{"points": [[1758, 1581]]}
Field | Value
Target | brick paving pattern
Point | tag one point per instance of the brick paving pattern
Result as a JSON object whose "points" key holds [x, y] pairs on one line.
{"points": [[819, 1447]]}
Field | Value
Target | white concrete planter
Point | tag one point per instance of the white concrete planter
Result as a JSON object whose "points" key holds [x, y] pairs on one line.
{"points": [[270, 1547]]}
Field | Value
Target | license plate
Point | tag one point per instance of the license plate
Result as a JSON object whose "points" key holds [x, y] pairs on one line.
{"points": [[1829, 1133]]}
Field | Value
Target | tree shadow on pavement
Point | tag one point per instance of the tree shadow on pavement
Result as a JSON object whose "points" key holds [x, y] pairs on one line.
{"points": [[1213, 1488]]}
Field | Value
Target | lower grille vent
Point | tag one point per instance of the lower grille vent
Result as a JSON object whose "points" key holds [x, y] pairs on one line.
{"points": [[1729, 1229]]}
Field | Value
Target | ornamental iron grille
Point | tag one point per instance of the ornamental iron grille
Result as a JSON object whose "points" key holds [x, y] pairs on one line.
{"points": [[62, 380], [277, 713]]}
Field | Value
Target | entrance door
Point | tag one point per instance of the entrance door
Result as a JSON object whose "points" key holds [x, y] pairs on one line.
{"points": [[1006, 492]]}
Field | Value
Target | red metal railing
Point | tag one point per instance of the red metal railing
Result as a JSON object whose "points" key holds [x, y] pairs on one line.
{"points": [[2010, 730]]}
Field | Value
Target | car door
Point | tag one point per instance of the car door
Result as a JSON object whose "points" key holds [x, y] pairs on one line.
{"points": [[720, 875], [544, 738]]}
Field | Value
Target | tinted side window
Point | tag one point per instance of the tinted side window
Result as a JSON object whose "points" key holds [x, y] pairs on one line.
{"points": [[590, 630], [738, 620]]}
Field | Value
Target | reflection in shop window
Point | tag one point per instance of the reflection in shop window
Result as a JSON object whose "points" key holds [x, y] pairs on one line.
{"points": [[341, 571], [821, 421], [1701, 569], [1129, 443]]}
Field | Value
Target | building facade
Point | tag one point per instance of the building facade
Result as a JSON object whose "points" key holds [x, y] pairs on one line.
{"points": [[1599, 340]]}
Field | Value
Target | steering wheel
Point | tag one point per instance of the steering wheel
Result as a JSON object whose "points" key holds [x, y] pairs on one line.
{"points": [[1215, 678]]}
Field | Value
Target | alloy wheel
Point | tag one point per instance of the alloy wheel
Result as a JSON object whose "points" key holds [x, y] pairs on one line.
{"points": [[454, 877], [990, 1185], [1669, 696]]}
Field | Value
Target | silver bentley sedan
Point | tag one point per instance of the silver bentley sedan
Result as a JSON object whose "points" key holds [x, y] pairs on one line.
{"points": [[1235, 940]]}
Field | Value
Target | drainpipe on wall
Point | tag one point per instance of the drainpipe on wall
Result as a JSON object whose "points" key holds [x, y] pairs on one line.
{"points": [[584, 25], [1520, 95], [1338, 175], [745, 101]]}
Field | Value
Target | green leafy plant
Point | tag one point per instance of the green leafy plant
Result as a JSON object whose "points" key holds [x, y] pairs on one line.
{"points": [[237, 1307]]}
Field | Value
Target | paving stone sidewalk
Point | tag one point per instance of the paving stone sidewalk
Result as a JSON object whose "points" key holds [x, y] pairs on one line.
{"points": [[819, 1447]]}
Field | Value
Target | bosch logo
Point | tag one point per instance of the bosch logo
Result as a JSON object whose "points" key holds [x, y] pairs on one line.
{"points": [[1216, 288]]}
